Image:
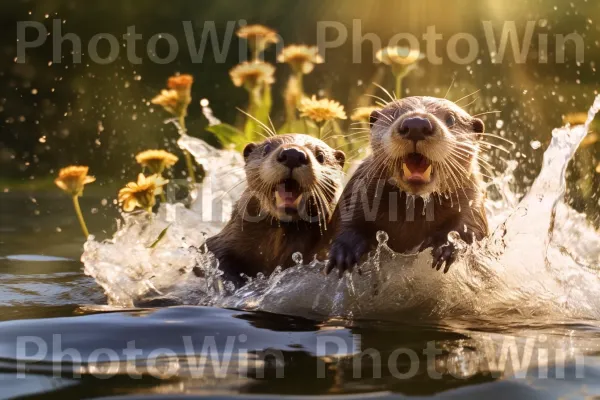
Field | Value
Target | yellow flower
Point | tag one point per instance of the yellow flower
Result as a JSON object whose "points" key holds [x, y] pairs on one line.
{"points": [[168, 99], [178, 96], [156, 160], [301, 58], [72, 179], [321, 110], [141, 193], [399, 55], [252, 74], [259, 37], [363, 114]]}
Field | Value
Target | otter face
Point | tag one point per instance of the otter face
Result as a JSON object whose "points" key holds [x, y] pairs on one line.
{"points": [[428, 144], [294, 176]]}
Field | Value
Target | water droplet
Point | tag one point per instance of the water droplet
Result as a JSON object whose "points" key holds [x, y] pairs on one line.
{"points": [[454, 237], [382, 237], [499, 124], [535, 144], [297, 258]]}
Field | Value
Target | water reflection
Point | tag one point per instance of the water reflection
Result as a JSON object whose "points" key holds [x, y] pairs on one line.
{"points": [[203, 350]]}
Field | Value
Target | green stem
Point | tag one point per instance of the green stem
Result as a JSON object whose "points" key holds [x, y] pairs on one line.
{"points": [[322, 128], [188, 157], [80, 216], [398, 86], [299, 77]]}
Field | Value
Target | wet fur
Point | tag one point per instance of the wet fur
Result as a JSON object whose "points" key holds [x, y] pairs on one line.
{"points": [[455, 191], [249, 247]]}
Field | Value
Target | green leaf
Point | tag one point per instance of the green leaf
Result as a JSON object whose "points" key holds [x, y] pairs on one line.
{"points": [[228, 135], [160, 236]]}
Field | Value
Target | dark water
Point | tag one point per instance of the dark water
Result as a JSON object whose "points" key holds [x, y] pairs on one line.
{"points": [[58, 340]]}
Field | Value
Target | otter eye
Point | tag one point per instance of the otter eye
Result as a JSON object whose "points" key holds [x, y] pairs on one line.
{"points": [[320, 157], [450, 121], [266, 149]]}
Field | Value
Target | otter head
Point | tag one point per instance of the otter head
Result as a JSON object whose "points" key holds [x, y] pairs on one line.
{"points": [[294, 176], [429, 145]]}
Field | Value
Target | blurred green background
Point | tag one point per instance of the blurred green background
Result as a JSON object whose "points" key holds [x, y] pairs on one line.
{"points": [[55, 114]]}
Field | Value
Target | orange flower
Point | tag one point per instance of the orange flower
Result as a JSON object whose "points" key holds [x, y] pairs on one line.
{"points": [[180, 82], [72, 179], [178, 96]]}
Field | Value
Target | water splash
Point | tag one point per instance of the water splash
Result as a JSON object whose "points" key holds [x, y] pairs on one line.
{"points": [[541, 259]]}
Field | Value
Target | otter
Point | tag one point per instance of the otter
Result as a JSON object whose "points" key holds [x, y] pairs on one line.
{"points": [[421, 182], [293, 181]]}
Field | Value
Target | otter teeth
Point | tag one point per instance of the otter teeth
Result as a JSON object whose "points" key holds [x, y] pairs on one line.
{"points": [[427, 173], [424, 176], [406, 170], [297, 202]]}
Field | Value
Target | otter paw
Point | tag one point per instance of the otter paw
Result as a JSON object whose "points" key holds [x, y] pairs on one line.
{"points": [[444, 253], [345, 253]]}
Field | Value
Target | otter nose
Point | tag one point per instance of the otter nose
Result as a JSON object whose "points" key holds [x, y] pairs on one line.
{"points": [[292, 158], [415, 128]]}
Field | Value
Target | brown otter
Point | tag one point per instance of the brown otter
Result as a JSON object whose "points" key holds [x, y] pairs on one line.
{"points": [[293, 183], [421, 183]]}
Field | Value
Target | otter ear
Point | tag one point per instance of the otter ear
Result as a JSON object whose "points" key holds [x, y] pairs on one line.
{"points": [[340, 157], [248, 150], [375, 115], [478, 127]]}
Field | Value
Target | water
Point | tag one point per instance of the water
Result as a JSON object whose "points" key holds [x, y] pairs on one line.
{"points": [[530, 290]]}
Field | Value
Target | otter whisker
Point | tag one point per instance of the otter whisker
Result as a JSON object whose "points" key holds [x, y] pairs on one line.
{"points": [[486, 112], [260, 134], [393, 98], [495, 146], [468, 104], [455, 183], [465, 193], [450, 87], [273, 130], [230, 189], [469, 95], [476, 157], [489, 135], [265, 127], [382, 102]]}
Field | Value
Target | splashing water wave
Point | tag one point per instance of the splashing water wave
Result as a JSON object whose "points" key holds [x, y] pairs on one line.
{"points": [[542, 259]]}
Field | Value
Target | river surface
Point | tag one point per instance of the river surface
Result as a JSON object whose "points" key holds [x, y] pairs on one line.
{"points": [[516, 317]]}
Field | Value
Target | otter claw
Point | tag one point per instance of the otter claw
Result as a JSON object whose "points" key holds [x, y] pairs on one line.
{"points": [[441, 254], [345, 255]]}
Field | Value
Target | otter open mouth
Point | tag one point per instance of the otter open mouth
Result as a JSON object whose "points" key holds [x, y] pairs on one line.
{"points": [[416, 168], [288, 195]]}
